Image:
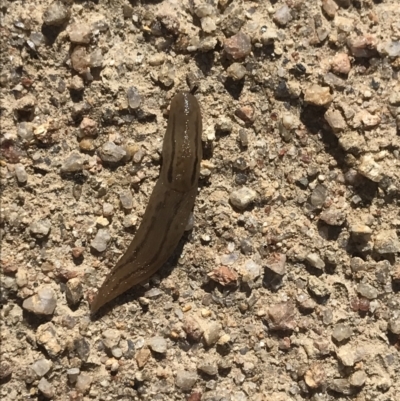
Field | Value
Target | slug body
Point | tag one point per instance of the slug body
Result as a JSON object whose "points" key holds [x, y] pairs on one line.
{"points": [[169, 206]]}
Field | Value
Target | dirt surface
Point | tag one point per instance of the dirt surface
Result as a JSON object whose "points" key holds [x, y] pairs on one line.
{"points": [[287, 286]]}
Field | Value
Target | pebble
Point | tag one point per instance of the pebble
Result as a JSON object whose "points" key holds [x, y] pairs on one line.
{"points": [[242, 198], [108, 209], [314, 260], [330, 8], [6, 369], [281, 317], [82, 348], [83, 383], [212, 333], [386, 242], [251, 270], [41, 367], [130, 220], [394, 324], [111, 153], [46, 388], [142, 356], [282, 16], [208, 366], [126, 199], [335, 120], [362, 46], [74, 291], [342, 332], [76, 84], [80, 59], [96, 58], [318, 95], [88, 127], [42, 303], [341, 386], [208, 24], [80, 33], [367, 291], [73, 374], [318, 196], [238, 46], [317, 287], [111, 338], [134, 98], [369, 168], [56, 14], [390, 48], [277, 263], [46, 336], [101, 240], [358, 378], [236, 71], [185, 380], [73, 163], [20, 173], [333, 216], [158, 344], [166, 75], [340, 64]]}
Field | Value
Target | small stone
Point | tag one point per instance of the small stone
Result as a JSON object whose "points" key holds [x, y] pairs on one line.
{"points": [[238, 46], [212, 333], [362, 46], [330, 8], [277, 263], [20, 173], [242, 198], [314, 260], [386, 242], [318, 95], [73, 374], [134, 98], [192, 328], [358, 378], [335, 120], [208, 24], [367, 291], [126, 199], [236, 71], [111, 153], [76, 84], [80, 59], [281, 317], [390, 48], [108, 209], [41, 367], [56, 14], [111, 338], [370, 169], [74, 291], [86, 145], [46, 336], [130, 220], [208, 366], [6, 369], [82, 348], [166, 75], [341, 386], [349, 355], [101, 240], [158, 344], [342, 332], [333, 216], [340, 64], [88, 127], [142, 356], [282, 16], [42, 303], [96, 58], [46, 388], [246, 113], [317, 287], [394, 324], [185, 380], [315, 377], [80, 33], [369, 120], [83, 383], [73, 163], [318, 196]]}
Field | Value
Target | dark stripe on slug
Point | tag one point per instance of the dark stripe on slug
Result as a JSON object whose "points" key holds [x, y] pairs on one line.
{"points": [[172, 161], [196, 150]]}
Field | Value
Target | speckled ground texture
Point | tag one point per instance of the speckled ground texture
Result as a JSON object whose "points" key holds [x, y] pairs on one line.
{"points": [[286, 287]]}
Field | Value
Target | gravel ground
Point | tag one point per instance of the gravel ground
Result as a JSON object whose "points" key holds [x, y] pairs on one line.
{"points": [[287, 287]]}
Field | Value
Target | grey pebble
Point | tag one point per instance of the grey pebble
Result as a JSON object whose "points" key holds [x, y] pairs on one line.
{"points": [[386, 242], [73, 374], [83, 383], [208, 366], [394, 324], [341, 332], [158, 344], [314, 260], [236, 71], [367, 291], [101, 240], [358, 378], [185, 380], [73, 163], [126, 199], [242, 198], [111, 153], [80, 33], [212, 332], [318, 196], [317, 287], [74, 291], [42, 303], [6, 369], [282, 16], [20, 173], [46, 388], [134, 98], [40, 228], [116, 352], [41, 367], [82, 348], [56, 14]]}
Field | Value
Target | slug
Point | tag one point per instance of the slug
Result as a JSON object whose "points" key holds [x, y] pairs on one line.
{"points": [[170, 203]]}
